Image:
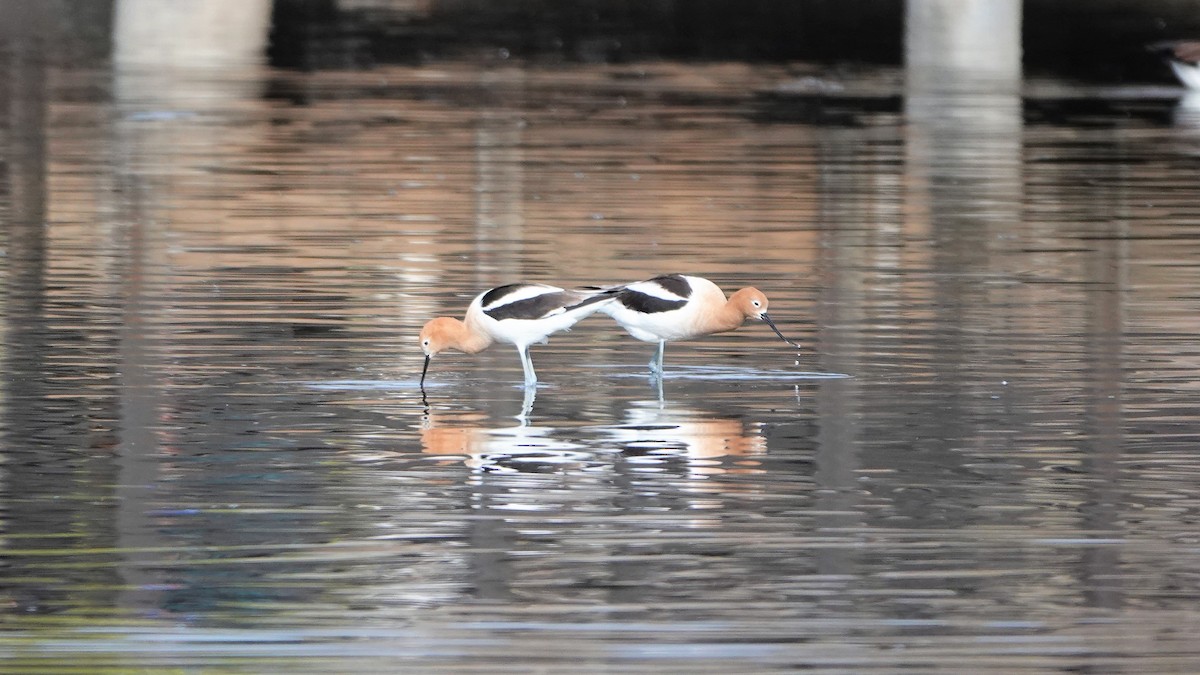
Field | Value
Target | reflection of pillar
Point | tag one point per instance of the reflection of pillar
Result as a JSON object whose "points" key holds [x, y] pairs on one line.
{"points": [[963, 176], [963, 168], [1101, 570], [491, 538], [183, 56], [137, 442], [500, 178], [25, 398], [1107, 268], [842, 301]]}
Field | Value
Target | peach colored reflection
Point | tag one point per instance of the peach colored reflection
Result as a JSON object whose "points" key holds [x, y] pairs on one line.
{"points": [[470, 436], [654, 427]]}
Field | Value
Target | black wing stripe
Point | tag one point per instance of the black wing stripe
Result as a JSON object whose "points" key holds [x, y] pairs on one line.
{"points": [[529, 309], [643, 303], [673, 283]]}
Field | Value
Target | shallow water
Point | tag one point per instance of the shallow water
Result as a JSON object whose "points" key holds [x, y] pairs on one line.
{"points": [[216, 453]]}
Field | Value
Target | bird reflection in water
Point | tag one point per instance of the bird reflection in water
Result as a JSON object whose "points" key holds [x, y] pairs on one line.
{"points": [[652, 433], [710, 443], [519, 447]]}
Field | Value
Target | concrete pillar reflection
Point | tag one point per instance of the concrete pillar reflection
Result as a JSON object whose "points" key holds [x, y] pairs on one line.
{"points": [[25, 398], [172, 61], [963, 145], [843, 301], [500, 179], [964, 195]]}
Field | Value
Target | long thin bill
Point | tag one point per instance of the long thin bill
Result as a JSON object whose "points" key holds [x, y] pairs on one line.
{"points": [[772, 325], [426, 369]]}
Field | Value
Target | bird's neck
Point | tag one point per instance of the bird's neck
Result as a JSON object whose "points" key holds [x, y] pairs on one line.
{"points": [[725, 318], [469, 338]]}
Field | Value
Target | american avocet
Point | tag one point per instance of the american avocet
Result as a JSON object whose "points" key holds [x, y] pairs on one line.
{"points": [[677, 307], [519, 314], [1184, 57]]}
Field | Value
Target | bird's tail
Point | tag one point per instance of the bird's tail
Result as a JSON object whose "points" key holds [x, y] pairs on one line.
{"points": [[603, 289], [598, 296], [598, 299]]}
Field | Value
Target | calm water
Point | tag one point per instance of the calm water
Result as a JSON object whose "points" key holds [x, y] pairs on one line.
{"points": [[216, 455]]}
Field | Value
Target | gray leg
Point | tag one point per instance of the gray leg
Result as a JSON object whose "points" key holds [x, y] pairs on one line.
{"points": [[527, 365], [527, 405], [656, 363]]}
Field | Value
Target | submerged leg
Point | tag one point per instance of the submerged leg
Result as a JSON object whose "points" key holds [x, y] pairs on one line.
{"points": [[527, 365], [527, 405], [656, 363]]}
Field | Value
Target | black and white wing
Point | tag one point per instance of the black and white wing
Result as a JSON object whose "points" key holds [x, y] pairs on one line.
{"points": [[653, 296], [528, 302]]}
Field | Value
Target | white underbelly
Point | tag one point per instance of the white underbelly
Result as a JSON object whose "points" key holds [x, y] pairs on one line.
{"points": [[673, 325]]}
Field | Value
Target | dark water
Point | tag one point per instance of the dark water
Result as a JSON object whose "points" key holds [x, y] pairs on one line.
{"points": [[216, 455]]}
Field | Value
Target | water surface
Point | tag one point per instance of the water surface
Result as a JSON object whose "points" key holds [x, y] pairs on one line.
{"points": [[216, 455]]}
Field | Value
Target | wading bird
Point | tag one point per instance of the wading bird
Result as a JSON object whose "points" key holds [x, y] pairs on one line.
{"points": [[519, 314], [678, 307]]}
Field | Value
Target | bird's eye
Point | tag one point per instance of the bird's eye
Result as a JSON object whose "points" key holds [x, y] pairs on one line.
{"points": [[425, 342], [756, 303]]}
